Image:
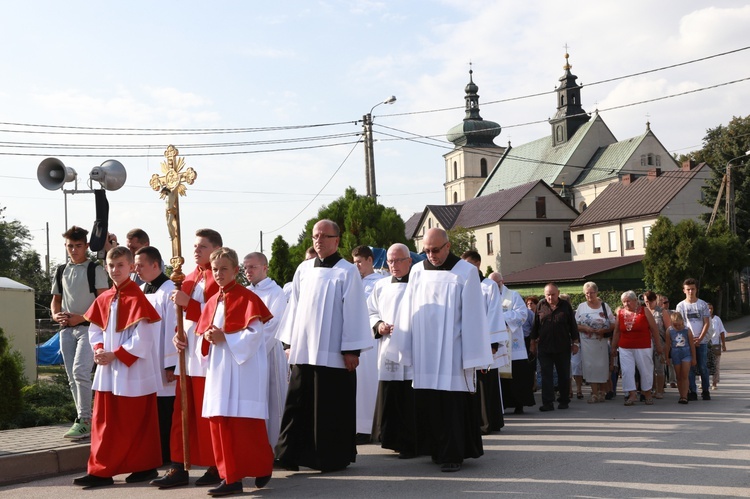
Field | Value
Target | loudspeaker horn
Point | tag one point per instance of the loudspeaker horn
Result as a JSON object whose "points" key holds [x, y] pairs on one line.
{"points": [[111, 175], [53, 174]]}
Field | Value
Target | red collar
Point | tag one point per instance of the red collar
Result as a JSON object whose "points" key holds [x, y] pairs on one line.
{"points": [[133, 306], [210, 287], [241, 307]]}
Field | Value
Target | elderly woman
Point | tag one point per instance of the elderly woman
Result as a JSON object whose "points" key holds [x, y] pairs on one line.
{"points": [[635, 329], [662, 320], [595, 324]]}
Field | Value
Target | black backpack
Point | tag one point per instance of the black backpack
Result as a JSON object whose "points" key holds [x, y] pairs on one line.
{"points": [[90, 273]]}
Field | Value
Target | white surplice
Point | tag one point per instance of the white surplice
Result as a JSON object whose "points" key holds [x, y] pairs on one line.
{"points": [[237, 374], [367, 370], [274, 298], [515, 313], [139, 340], [383, 306], [326, 315], [194, 362], [442, 329], [166, 350]]}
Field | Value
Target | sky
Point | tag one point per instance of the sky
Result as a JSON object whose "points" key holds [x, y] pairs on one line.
{"points": [[264, 100]]}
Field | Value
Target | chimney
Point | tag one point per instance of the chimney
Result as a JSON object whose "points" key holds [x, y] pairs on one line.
{"points": [[688, 165], [627, 179], [653, 173]]}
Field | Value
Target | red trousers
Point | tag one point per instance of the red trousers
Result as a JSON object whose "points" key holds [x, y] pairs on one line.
{"points": [[199, 437], [241, 448]]}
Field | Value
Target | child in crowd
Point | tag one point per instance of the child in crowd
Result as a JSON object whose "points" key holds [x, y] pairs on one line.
{"points": [[125, 424], [235, 399], [681, 353]]}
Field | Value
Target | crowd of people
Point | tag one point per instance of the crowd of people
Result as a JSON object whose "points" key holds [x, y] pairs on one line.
{"points": [[266, 377]]}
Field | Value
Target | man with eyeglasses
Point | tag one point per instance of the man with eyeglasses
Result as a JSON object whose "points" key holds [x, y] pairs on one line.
{"points": [[325, 327], [367, 371], [441, 330], [256, 270], [395, 408]]}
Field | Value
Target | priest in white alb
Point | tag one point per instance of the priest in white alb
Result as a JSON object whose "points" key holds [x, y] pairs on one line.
{"points": [[442, 331]]}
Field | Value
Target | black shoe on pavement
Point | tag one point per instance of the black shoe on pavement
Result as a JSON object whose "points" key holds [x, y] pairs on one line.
{"points": [[262, 481], [609, 396], [692, 396], [91, 481], [210, 477], [278, 464], [226, 489], [450, 467], [175, 476], [706, 395], [518, 410], [142, 476], [562, 405], [547, 408]]}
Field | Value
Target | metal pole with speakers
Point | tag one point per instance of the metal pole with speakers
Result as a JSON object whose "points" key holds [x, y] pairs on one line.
{"points": [[111, 175]]}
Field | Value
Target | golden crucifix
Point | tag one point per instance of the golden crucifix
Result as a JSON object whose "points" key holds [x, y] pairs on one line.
{"points": [[171, 185]]}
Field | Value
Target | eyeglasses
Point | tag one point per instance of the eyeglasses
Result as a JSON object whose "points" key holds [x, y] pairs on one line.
{"points": [[432, 251], [322, 236], [397, 260]]}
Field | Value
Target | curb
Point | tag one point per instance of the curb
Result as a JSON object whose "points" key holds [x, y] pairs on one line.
{"points": [[737, 336], [26, 467]]}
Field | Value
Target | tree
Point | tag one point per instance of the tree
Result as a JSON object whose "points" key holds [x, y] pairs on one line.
{"points": [[280, 268], [361, 220], [461, 239], [721, 145], [18, 261]]}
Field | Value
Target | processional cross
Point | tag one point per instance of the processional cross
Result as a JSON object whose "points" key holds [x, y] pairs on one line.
{"points": [[171, 185]]}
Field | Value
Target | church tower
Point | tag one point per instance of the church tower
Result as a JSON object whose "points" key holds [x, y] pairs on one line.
{"points": [[474, 153], [570, 115]]}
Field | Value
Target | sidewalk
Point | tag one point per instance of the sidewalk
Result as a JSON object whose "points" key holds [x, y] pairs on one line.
{"points": [[33, 453]]}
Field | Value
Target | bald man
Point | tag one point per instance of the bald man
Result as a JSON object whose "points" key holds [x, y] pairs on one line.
{"points": [[441, 330]]}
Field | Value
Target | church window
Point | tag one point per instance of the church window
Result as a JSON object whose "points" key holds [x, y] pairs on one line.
{"points": [[483, 167], [429, 223], [566, 241], [559, 130], [597, 243], [455, 197], [490, 245], [582, 206], [562, 100], [541, 207], [515, 241], [548, 242], [574, 100], [455, 170]]}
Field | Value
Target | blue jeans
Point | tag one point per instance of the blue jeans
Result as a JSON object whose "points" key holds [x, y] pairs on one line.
{"points": [[701, 365], [79, 360]]}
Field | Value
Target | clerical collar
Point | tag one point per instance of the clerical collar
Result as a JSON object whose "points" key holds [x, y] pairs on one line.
{"points": [[448, 264], [403, 279], [481, 277], [153, 286], [327, 262]]}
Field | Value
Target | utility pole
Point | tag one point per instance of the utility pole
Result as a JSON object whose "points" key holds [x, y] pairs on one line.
{"points": [[369, 153]]}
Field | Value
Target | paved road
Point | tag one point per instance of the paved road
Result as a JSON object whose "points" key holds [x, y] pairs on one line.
{"points": [[601, 450]]}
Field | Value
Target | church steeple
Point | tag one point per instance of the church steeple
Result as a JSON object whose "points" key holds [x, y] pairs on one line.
{"points": [[474, 131], [570, 115]]}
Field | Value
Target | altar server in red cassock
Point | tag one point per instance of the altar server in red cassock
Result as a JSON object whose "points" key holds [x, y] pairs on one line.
{"points": [[125, 424], [198, 287], [236, 396]]}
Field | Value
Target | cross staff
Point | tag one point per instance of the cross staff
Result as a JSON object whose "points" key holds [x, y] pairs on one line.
{"points": [[171, 185]]}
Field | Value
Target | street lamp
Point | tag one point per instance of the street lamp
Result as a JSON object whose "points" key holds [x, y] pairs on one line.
{"points": [[369, 156]]}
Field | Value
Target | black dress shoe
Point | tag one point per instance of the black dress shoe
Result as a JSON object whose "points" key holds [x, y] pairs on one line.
{"points": [[692, 396], [91, 481], [226, 489], [518, 410], [174, 477], [406, 455], [706, 395], [278, 464], [450, 467], [142, 476], [210, 477], [262, 481], [562, 405], [547, 408]]}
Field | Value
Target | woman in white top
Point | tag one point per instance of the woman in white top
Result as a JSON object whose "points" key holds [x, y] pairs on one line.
{"points": [[595, 324]]}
